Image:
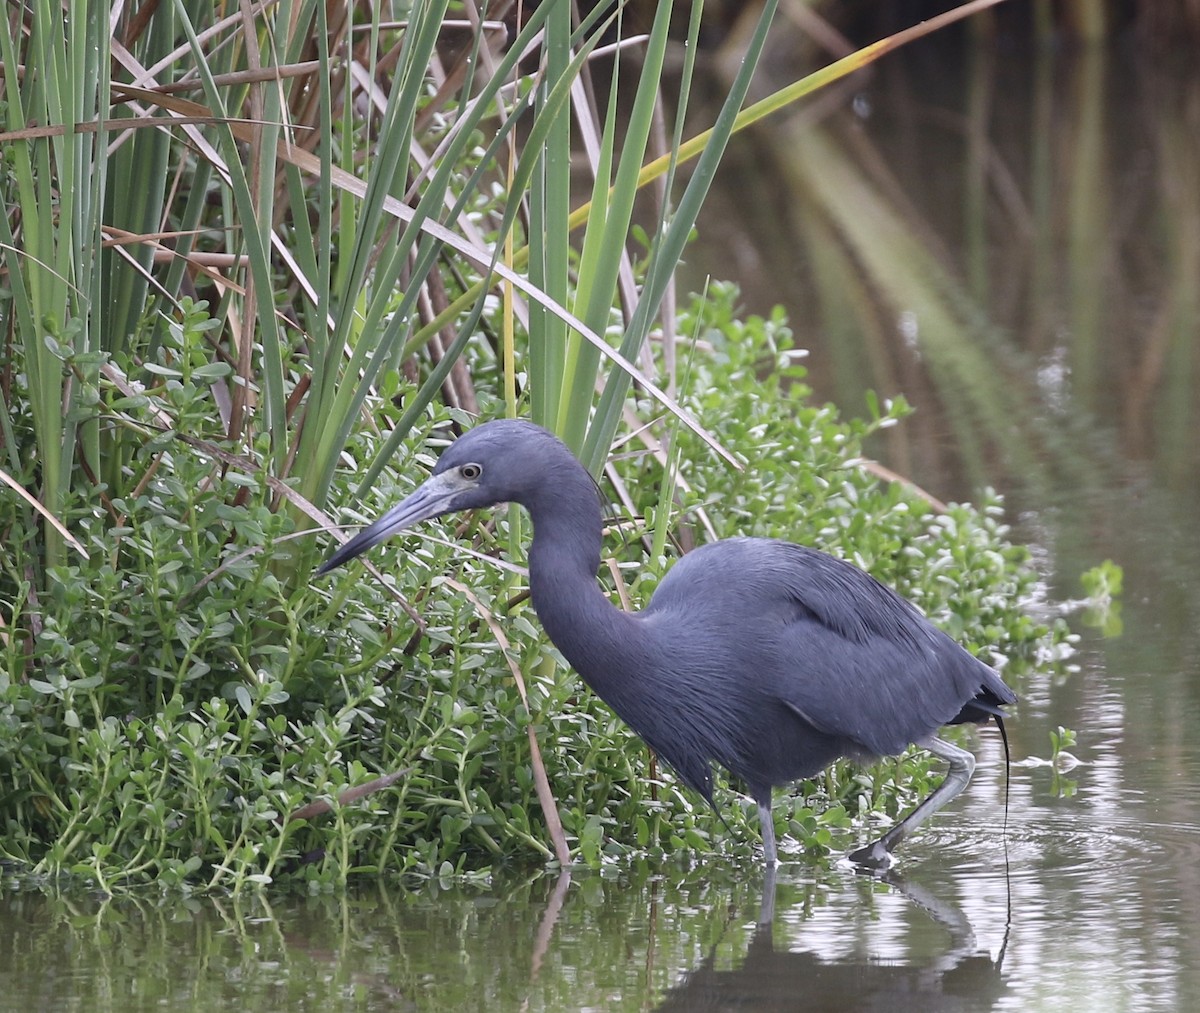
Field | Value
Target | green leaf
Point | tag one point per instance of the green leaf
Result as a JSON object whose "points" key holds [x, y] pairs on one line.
{"points": [[212, 371]]}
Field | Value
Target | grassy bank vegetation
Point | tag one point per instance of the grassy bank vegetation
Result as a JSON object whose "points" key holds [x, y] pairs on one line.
{"points": [[256, 264]]}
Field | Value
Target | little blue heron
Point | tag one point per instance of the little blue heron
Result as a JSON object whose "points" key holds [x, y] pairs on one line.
{"points": [[770, 658]]}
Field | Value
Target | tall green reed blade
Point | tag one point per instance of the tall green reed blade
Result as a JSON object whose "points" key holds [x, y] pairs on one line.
{"points": [[552, 108], [386, 168], [669, 248], [549, 249], [52, 260], [670, 468], [364, 289], [314, 250], [607, 230], [250, 200], [141, 163], [586, 35], [709, 146], [413, 255]]}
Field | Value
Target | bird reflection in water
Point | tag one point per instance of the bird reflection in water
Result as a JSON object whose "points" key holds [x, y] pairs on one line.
{"points": [[961, 977]]}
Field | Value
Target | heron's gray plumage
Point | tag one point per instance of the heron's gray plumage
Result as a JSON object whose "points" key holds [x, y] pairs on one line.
{"points": [[767, 657]]}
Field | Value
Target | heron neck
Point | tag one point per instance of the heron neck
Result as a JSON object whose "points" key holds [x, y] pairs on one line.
{"points": [[563, 560], [565, 553]]}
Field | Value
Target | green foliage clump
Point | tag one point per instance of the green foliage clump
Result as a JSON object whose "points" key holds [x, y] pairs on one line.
{"points": [[181, 693]]}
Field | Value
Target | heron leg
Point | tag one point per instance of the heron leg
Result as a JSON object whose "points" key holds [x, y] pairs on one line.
{"points": [[766, 827], [766, 908], [877, 854]]}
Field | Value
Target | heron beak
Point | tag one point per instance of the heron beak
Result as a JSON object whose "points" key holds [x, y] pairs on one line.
{"points": [[432, 497]]}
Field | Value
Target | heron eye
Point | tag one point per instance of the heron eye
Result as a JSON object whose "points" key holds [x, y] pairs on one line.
{"points": [[470, 471]]}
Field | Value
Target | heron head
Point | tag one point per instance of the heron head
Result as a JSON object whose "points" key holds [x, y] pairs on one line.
{"points": [[503, 461]]}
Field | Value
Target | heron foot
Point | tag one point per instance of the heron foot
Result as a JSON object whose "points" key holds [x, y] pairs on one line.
{"points": [[875, 856]]}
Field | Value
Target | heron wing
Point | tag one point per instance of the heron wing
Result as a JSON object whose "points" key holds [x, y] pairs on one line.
{"points": [[868, 666], [772, 620]]}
